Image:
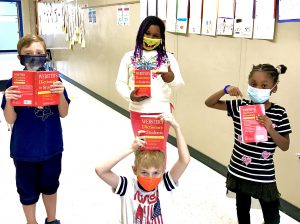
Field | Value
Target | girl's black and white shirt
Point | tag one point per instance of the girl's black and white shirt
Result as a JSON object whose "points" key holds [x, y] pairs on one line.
{"points": [[254, 161]]}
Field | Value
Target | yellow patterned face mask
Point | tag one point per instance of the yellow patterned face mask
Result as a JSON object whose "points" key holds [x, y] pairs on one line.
{"points": [[150, 44]]}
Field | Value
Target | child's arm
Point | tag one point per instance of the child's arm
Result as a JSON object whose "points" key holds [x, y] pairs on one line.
{"points": [[11, 93], [104, 171], [214, 100], [282, 141], [63, 106], [183, 152]]}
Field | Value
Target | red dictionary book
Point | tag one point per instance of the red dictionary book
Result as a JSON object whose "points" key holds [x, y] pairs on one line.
{"points": [[35, 88], [142, 80], [251, 130], [154, 131]]}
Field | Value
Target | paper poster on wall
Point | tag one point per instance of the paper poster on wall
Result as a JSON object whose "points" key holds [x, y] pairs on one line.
{"points": [[120, 15], [182, 13], [92, 15], [162, 9], [152, 8], [123, 15], [171, 15], [289, 11], [264, 19], [209, 19], [195, 16], [225, 17], [243, 28], [243, 22], [126, 15], [143, 9]]}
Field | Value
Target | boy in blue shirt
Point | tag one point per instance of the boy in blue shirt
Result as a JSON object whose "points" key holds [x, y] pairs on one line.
{"points": [[36, 141]]}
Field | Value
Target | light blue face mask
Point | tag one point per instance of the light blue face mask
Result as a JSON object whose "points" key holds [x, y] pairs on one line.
{"points": [[259, 95]]}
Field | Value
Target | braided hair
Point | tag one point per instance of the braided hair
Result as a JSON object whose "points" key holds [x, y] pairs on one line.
{"points": [[270, 70], [161, 49]]}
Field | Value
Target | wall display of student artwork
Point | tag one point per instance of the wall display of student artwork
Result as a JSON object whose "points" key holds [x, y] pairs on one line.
{"points": [[238, 18], [62, 17]]}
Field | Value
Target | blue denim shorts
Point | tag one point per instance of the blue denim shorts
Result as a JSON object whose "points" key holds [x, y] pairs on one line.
{"points": [[34, 178]]}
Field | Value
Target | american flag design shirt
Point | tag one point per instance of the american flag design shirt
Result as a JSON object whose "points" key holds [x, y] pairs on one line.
{"points": [[143, 207]]}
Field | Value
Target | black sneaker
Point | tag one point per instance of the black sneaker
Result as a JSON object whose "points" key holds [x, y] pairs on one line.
{"points": [[53, 222]]}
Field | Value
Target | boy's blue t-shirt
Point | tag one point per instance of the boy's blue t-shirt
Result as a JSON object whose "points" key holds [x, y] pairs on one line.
{"points": [[37, 133]]}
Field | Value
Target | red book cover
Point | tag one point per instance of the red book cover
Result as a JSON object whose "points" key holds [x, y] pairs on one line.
{"points": [[35, 88], [251, 130], [142, 80], [154, 131]]}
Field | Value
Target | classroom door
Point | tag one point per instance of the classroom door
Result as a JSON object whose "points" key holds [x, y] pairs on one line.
{"points": [[9, 26]]}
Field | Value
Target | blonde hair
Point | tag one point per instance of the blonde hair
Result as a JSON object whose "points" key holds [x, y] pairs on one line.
{"points": [[27, 40], [149, 158]]}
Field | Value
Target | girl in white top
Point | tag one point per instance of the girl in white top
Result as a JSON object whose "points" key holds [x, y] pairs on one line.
{"points": [[149, 54]]}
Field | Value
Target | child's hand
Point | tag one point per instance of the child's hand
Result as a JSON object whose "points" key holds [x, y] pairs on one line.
{"points": [[234, 91], [265, 121], [136, 98], [167, 76], [12, 93], [168, 117], [139, 141], [57, 87]]}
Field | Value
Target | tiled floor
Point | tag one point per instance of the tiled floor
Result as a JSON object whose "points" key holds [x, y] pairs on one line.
{"points": [[92, 131]]}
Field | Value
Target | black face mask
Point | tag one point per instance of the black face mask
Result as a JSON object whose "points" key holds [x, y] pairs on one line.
{"points": [[33, 62]]}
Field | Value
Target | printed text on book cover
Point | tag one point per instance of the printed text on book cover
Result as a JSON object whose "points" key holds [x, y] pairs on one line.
{"points": [[35, 88]]}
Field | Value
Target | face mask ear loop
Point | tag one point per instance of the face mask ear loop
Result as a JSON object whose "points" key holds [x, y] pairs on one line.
{"points": [[274, 86]]}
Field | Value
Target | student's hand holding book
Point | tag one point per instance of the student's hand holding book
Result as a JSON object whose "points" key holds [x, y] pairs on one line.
{"points": [[12, 93], [137, 98], [168, 117], [139, 141], [57, 87]]}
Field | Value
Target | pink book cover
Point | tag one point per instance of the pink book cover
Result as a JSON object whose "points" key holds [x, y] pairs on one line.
{"points": [[154, 131], [35, 88], [251, 130], [25, 82], [142, 81]]}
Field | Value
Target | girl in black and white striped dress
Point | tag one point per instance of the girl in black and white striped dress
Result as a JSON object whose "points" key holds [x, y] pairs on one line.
{"points": [[251, 171]]}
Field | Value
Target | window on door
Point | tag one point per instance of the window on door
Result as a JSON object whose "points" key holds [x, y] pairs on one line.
{"points": [[10, 25]]}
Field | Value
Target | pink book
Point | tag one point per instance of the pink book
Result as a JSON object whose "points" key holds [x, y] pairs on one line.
{"points": [[142, 81], [251, 130], [154, 131]]}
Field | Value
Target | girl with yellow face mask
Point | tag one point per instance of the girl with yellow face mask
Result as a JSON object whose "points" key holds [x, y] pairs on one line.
{"points": [[149, 54]]}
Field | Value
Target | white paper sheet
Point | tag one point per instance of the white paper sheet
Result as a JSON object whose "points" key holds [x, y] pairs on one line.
{"points": [[143, 9], [171, 15], [289, 10], [195, 16], [182, 20], [243, 22], [264, 20], [151, 7], [162, 9], [210, 9], [225, 17]]}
